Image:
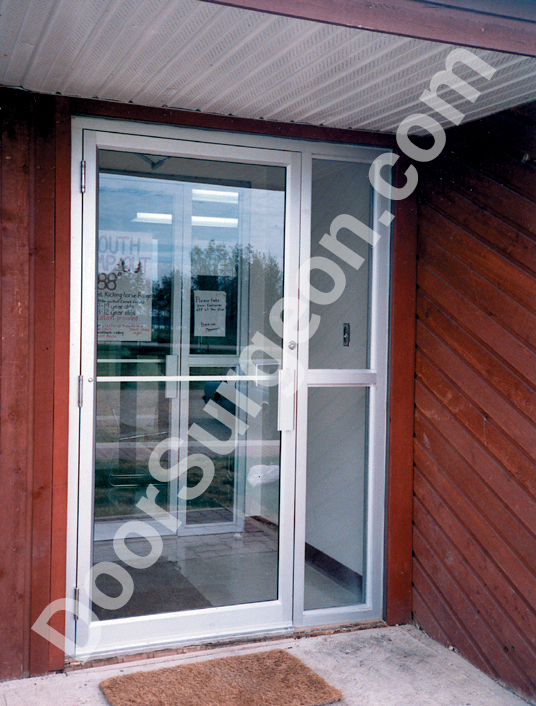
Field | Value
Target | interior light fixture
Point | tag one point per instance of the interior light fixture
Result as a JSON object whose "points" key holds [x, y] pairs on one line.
{"points": [[164, 219], [213, 222], [214, 196]]}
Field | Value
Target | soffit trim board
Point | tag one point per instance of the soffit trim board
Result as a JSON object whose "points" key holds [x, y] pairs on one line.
{"points": [[409, 18], [212, 121]]}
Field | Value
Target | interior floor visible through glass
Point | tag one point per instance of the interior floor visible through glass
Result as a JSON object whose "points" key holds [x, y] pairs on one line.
{"points": [[214, 570]]}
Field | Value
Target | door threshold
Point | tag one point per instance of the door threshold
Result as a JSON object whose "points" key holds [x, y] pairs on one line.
{"points": [[206, 645]]}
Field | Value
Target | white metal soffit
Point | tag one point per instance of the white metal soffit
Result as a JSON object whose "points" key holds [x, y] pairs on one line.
{"points": [[199, 56]]}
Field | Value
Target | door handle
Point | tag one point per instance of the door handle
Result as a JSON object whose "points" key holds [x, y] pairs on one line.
{"points": [[285, 400]]}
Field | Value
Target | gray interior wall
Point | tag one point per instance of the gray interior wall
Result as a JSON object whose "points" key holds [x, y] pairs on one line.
{"points": [[336, 462], [338, 188]]}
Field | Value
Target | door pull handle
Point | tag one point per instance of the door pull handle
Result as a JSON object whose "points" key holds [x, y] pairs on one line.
{"points": [[286, 395]]}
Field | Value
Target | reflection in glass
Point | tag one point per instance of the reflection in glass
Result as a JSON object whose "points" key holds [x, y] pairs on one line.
{"points": [[190, 263], [335, 499], [132, 418]]}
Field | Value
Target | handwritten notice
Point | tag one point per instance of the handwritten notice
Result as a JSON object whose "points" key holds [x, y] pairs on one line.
{"points": [[124, 286], [209, 313]]}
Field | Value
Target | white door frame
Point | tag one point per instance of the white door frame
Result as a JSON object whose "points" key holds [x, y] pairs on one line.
{"points": [[375, 379], [138, 634]]}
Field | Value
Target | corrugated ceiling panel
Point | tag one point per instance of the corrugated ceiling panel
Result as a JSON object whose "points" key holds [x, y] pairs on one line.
{"points": [[199, 56], [514, 79]]}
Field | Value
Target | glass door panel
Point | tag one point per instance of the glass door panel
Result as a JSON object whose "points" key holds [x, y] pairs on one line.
{"points": [[189, 265]]}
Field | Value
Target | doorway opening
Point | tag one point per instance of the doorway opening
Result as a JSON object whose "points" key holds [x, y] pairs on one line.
{"points": [[229, 462]]}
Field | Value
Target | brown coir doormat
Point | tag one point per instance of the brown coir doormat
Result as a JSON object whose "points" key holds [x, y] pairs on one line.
{"points": [[273, 678]]}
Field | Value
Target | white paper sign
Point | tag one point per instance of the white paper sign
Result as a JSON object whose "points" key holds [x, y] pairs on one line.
{"points": [[124, 286], [209, 313]]}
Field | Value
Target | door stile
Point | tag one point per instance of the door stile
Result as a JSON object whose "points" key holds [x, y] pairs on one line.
{"points": [[75, 345], [88, 375], [378, 427], [293, 215], [183, 243]]}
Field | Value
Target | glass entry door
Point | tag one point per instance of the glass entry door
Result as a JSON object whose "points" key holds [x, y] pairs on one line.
{"points": [[184, 523], [230, 319]]}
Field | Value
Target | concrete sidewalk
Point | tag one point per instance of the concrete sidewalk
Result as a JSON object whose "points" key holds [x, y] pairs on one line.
{"points": [[396, 666]]}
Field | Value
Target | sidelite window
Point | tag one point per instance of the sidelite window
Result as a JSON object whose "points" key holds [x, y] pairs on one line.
{"points": [[230, 300], [337, 451]]}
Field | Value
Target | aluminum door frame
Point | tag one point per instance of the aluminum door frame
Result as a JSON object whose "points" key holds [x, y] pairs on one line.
{"points": [[297, 225], [375, 378], [157, 631]]}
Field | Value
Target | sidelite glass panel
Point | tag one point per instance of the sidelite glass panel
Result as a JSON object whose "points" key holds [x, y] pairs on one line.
{"points": [[190, 263], [342, 338], [335, 525]]}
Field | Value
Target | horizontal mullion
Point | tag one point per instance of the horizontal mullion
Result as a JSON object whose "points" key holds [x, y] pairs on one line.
{"points": [[182, 378], [315, 378], [338, 378], [130, 361]]}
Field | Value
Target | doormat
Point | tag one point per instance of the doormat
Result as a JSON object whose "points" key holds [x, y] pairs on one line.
{"points": [[273, 678]]}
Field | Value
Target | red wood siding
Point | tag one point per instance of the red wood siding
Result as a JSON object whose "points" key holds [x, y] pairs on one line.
{"points": [[32, 318], [15, 387], [474, 583]]}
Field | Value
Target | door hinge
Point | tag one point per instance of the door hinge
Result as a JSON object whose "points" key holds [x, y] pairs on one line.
{"points": [[80, 390], [77, 601], [83, 176]]}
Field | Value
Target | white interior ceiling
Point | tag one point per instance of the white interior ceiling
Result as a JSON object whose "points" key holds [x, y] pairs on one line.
{"points": [[200, 56]]}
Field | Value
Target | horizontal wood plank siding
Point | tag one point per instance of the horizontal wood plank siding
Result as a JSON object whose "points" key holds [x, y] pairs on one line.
{"points": [[474, 573]]}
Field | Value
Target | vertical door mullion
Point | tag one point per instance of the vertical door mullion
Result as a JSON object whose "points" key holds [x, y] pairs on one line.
{"points": [[379, 333], [302, 391], [289, 362], [182, 248], [177, 196], [243, 326]]}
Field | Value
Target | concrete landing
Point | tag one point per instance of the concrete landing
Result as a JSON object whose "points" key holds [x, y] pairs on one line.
{"points": [[395, 666]]}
